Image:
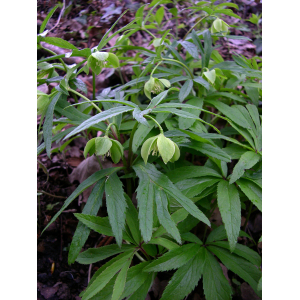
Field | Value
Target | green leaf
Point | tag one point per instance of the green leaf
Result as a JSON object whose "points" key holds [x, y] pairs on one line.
{"points": [[238, 265], [230, 209], [45, 22], [163, 242], [132, 220], [185, 90], [120, 281], [208, 150], [227, 95], [242, 251], [182, 173], [229, 112], [190, 48], [207, 48], [138, 115], [48, 123], [59, 43], [227, 12], [202, 81], [100, 225], [142, 291], [190, 237], [93, 255], [159, 15], [215, 285], [185, 278], [104, 39], [116, 205], [259, 285], [145, 196], [173, 259], [163, 182], [82, 231], [100, 282], [247, 161], [84, 185], [161, 96], [135, 279], [217, 234], [139, 15], [163, 214], [98, 118], [187, 123], [252, 191]]}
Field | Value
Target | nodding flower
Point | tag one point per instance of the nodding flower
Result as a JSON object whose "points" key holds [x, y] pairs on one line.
{"points": [[162, 146], [219, 25], [155, 86], [104, 146]]}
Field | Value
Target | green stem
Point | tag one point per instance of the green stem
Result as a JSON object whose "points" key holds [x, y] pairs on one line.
{"points": [[108, 127], [194, 27], [161, 130], [94, 85], [155, 68], [149, 32], [53, 53], [99, 161], [179, 62], [85, 98]]}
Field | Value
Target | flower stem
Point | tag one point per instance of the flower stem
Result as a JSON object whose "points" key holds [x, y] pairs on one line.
{"points": [[179, 62], [85, 98], [161, 130]]}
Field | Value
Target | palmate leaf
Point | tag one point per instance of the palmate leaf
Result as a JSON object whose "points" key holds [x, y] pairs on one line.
{"points": [[216, 286], [230, 209], [173, 259], [151, 178], [243, 268], [83, 186], [116, 205], [185, 278], [82, 231]]}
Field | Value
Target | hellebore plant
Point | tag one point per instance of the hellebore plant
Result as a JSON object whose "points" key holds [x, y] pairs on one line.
{"points": [[159, 209]]}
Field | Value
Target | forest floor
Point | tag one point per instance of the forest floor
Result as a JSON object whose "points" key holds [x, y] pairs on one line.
{"points": [[83, 24]]}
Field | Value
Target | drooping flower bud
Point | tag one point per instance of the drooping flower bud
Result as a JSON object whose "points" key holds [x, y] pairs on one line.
{"points": [[219, 25], [155, 86], [162, 146], [106, 147]]}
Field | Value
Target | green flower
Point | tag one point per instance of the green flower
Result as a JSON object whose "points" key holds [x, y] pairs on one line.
{"points": [[98, 60], [43, 102], [106, 147], [161, 145], [155, 86], [219, 25]]}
